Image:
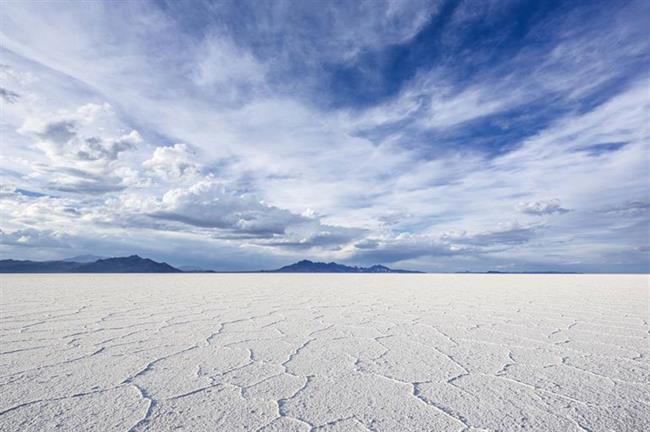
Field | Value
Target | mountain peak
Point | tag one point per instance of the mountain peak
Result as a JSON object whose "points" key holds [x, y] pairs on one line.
{"points": [[129, 264], [84, 258], [307, 266]]}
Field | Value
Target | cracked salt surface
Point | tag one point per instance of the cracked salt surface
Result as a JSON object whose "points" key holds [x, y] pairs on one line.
{"points": [[262, 352]]}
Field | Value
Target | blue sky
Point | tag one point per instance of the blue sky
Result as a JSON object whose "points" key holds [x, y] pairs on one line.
{"points": [[433, 135]]}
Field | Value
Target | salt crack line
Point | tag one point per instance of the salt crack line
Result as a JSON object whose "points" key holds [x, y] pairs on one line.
{"points": [[415, 392], [76, 395], [443, 409], [150, 365], [150, 406]]}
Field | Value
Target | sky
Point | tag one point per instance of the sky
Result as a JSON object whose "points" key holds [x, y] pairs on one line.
{"points": [[438, 136]]}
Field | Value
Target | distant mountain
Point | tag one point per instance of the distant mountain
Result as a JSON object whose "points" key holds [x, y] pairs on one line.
{"points": [[306, 266], [137, 264], [195, 269], [19, 266], [84, 258], [131, 264]]}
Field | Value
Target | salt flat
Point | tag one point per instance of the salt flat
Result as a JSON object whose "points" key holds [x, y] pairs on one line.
{"points": [[277, 352]]}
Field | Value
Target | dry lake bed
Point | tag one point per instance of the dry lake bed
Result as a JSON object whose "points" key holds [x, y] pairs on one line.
{"points": [[278, 352]]}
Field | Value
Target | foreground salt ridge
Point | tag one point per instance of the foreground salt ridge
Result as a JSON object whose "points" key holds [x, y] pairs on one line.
{"points": [[324, 352]]}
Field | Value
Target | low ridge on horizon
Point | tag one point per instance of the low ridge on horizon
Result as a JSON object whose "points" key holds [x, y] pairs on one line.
{"points": [[307, 266], [129, 264], [137, 264]]}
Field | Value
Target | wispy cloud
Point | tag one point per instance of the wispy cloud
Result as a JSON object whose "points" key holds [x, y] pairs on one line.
{"points": [[540, 208]]}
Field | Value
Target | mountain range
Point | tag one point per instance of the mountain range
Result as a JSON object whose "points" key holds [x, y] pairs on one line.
{"points": [[137, 264], [130, 264], [306, 266], [84, 258]]}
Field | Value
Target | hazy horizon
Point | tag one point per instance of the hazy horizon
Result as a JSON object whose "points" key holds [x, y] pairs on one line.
{"points": [[194, 268]]}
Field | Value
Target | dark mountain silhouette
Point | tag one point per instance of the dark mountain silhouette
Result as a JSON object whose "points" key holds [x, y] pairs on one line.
{"points": [[306, 266], [20, 266], [137, 264], [84, 258], [131, 264]]}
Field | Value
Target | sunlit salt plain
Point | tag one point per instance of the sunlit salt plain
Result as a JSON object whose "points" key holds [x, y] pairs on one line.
{"points": [[264, 352]]}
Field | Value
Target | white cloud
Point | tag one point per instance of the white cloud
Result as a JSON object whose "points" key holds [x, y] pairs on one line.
{"points": [[222, 64], [81, 155], [173, 163], [33, 238], [209, 204]]}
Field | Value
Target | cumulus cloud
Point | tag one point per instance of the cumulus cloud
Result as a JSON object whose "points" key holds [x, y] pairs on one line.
{"points": [[82, 157], [401, 248], [63, 137], [173, 163], [96, 148], [33, 238], [209, 204], [540, 208]]}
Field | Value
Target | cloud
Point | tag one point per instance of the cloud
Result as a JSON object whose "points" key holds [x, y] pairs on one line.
{"points": [[33, 238], [453, 108], [81, 157], [629, 208], [173, 163], [8, 95], [230, 74], [62, 138], [318, 32], [96, 148], [400, 248], [539, 208], [313, 235], [38, 211], [508, 234], [209, 204], [58, 132], [459, 244]]}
